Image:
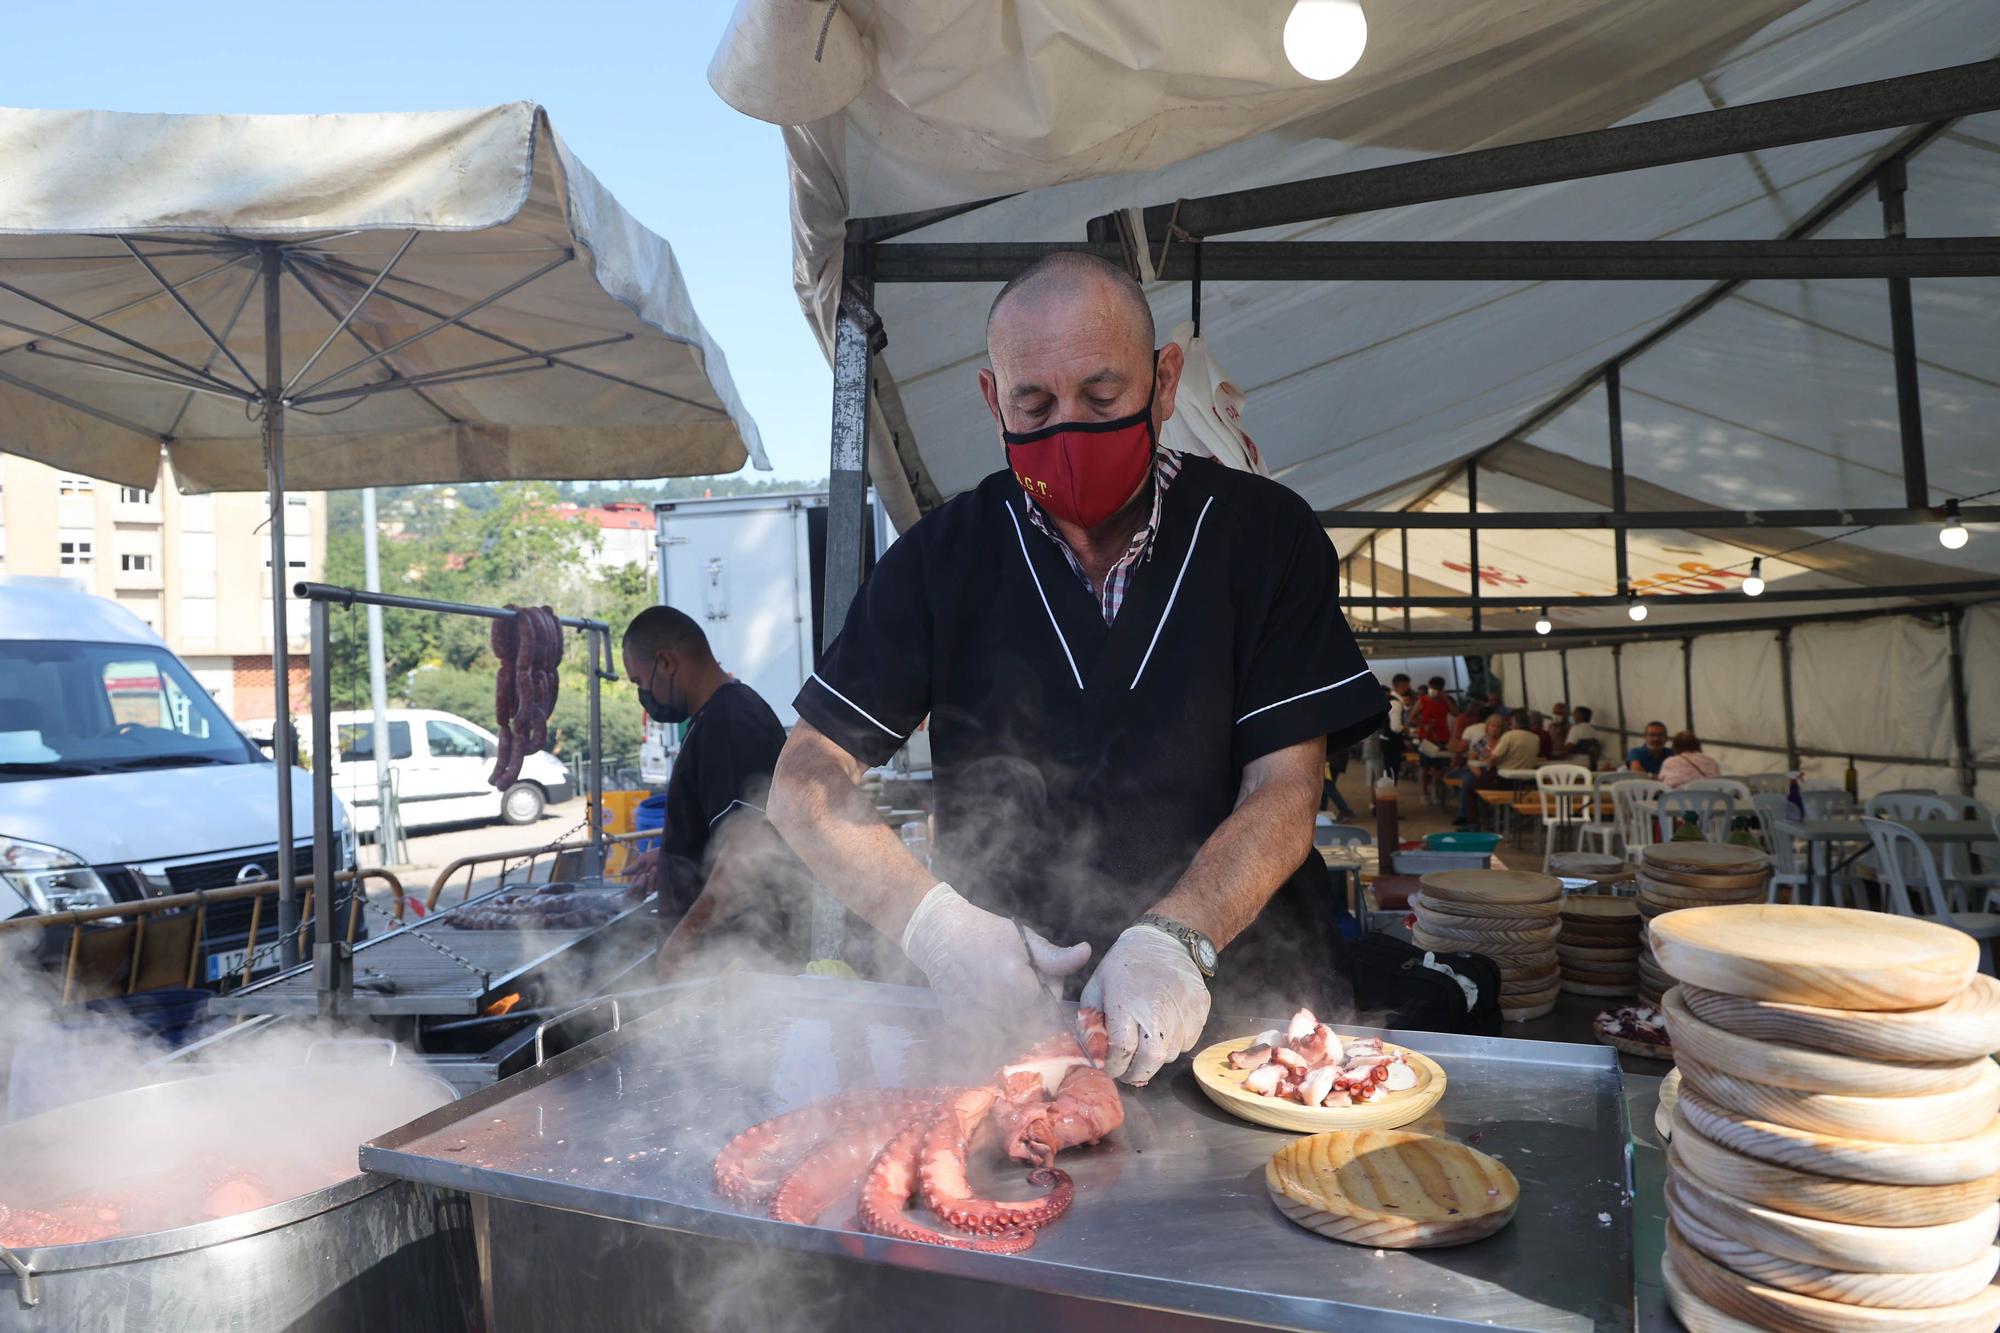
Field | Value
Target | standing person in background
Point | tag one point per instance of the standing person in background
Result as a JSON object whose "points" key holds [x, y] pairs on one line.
{"points": [[1431, 723], [1648, 756], [1329, 793], [1687, 763], [719, 870], [1584, 742], [1395, 727]]}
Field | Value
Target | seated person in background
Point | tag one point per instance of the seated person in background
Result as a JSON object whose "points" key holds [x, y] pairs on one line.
{"points": [[1471, 728], [1687, 763], [1533, 724], [1514, 747], [1559, 729], [1584, 743], [1647, 757]]}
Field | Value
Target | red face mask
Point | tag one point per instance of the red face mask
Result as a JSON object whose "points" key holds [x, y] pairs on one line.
{"points": [[1083, 471]]}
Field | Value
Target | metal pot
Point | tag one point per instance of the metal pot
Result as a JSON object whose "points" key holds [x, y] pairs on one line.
{"points": [[363, 1252]]}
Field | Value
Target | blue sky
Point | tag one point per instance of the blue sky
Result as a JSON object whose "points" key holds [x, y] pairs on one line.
{"points": [[625, 85]]}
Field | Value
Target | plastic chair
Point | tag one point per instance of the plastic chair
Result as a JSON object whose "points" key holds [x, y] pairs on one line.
{"points": [[1341, 835], [1635, 826], [1608, 834], [1910, 806], [1761, 783], [1715, 810], [1828, 803], [1737, 791], [1567, 798], [1788, 869], [1908, 868]]}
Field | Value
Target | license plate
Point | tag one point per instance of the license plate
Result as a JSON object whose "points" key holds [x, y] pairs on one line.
{"points": [[228, 963]]}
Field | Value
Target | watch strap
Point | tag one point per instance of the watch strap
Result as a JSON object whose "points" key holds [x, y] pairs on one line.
{"points": [[1193, 940]]}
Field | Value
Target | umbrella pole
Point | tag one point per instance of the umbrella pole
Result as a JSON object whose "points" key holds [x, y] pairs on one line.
{"points": [[281, 665]]}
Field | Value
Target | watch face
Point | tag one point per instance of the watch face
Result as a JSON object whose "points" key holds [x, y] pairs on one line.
{"points": [[1204, 953]]}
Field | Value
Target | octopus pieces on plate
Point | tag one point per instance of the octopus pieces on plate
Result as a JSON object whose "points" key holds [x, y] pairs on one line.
{"points": [[1309, 1063]]}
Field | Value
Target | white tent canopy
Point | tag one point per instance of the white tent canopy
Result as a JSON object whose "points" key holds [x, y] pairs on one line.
{"points": [[1765, 394], [592, 364]]}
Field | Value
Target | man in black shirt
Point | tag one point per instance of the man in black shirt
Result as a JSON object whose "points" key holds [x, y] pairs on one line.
{"points": [[721, 874]]}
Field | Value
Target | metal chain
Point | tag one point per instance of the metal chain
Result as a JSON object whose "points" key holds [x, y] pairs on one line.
{"points": [[415, 931]]}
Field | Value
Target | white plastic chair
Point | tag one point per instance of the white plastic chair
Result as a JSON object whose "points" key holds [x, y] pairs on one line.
{"points": [[1828, 803], [1788, 869], [1971, 868], [1737, 791], [1914, 807], [1760, 783], [1714, 810], [1908, 868], [1567, 800], [1607, 833], [1635, 825]]}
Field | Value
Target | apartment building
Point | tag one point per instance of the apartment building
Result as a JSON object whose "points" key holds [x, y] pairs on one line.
{"points": [[194, 567]]}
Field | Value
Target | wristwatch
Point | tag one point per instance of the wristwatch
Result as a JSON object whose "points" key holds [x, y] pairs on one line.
{"points": [[1199, 946]]}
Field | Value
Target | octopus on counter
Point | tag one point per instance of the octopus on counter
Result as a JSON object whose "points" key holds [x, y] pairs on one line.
{"points": [[898, 1144]]}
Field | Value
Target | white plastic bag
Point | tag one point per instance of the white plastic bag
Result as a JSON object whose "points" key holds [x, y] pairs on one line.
{"points": [[1208, 411]]}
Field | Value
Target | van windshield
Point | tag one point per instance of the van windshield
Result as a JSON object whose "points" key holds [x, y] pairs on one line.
{"points": [[72, 708]]}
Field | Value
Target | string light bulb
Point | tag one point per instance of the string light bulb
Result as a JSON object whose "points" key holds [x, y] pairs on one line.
{"points": [[1542, 625], [1635, 608], [1754, 585], [1952, 536], [1325, 38]]}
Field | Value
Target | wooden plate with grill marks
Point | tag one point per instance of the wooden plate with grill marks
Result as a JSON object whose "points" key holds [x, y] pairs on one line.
{"points": [[1493, 886], [1954, 1162], [1893, 1291], [1391, 1189], [1933, 1117], [1518, 914], [1803, 1069], [1829, 956], [1963, 1028]]}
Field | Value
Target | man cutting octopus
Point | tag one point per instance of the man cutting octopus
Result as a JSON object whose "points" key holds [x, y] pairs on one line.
{"points": [[1132, 660]]}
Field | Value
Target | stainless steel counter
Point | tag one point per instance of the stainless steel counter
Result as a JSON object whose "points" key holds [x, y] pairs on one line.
{"points": [[1171, 1212]]}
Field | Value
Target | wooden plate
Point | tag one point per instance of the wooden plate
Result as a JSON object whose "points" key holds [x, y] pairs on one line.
{"points": [[1493, 886], [1694, 1312], [1663, 1114], [1449, 928], [1485, 911], [1585, 865], [1962, 1028], [1704, 858], [1891, 1291], [1603, 991], [1803, 1069], [1586, 953], [1830, 956], [1529, 986], [1824, 1197], [1767, 1306], [1652, 895], [1602, 928], [1525, 1012], [1932, 1117], [1950, 1163], [1391, 1189], [1598, 907], [1845, 1246], [1538, 951], [1224, 1087], [1705, 883]]}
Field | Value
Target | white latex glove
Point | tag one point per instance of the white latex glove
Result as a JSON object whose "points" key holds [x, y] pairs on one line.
{"points": [[1154, 999], [974, 958]]}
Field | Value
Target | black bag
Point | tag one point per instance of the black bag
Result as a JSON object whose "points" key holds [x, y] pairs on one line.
{"points": [[1393, 989]]}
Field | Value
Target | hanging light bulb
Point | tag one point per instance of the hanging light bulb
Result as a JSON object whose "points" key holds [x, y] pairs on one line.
{"points": [[1754, 585], [1542, 625], [1325, 38], [1952, 535], [1635, 608]]}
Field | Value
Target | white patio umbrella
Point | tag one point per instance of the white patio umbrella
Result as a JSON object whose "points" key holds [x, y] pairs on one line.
{"points": [[338, 301]]}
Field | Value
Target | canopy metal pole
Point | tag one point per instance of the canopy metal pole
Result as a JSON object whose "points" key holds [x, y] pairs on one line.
{"points": [[329, 949], [1472, 531], [1618, 696], [1615, 420], [388, 833], [1785, 681], [857, 336], [1406, 578], [1374, 586], [1687, 680], [281, 659], [1961, 723], [596, 867], [1891, 186]]}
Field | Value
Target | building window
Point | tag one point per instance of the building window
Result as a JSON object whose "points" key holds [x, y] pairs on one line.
{"points": [[133, 495], [76, 551], [75, 486], [132, 563]]}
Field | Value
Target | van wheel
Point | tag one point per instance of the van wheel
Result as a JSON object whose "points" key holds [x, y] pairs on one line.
{"points": [[522, 804]]}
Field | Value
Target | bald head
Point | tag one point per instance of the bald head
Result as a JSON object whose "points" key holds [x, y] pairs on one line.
{"points": [[1071, 339], [1077, 277]]}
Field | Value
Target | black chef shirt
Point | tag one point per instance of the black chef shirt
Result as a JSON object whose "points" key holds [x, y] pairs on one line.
{"points": [[725, 764], [1078, 766]]}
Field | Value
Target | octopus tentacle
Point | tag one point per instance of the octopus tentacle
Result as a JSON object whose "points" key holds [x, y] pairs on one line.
{"points": [[749, 1167], [1085, 1109], [941, 1170], [892, 1179], [832, 1168]]}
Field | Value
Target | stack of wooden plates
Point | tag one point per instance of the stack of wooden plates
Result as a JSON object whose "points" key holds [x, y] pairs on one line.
{"points": [[1598, 948], [1509, 916], [1835, 1159], [1602, 871], [1677, 875]]}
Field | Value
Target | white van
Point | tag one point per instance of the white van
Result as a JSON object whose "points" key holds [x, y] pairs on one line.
{"points": [[120, 778], [441, 762]]}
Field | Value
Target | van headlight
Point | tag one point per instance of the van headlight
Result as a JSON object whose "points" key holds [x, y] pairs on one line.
{"points": [[49, 878]]}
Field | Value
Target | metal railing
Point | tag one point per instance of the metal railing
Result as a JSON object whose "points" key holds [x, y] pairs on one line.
{"points": [[142, 911], [528, 858]]}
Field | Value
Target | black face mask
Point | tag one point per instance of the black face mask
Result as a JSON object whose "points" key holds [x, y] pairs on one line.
{"points": [[669, 711]]}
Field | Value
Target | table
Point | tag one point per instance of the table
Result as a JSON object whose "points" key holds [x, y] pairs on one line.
{"points": [[1822, 835]]}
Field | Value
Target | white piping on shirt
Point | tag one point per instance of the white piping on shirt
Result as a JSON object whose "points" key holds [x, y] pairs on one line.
{"points": [[1304, 695], [851, 704], [1046, 608], [1171, 596], [745, 804]]}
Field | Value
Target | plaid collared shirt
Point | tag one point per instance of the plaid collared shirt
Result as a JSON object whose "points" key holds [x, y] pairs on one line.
{"points": [[1166, 466]]}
